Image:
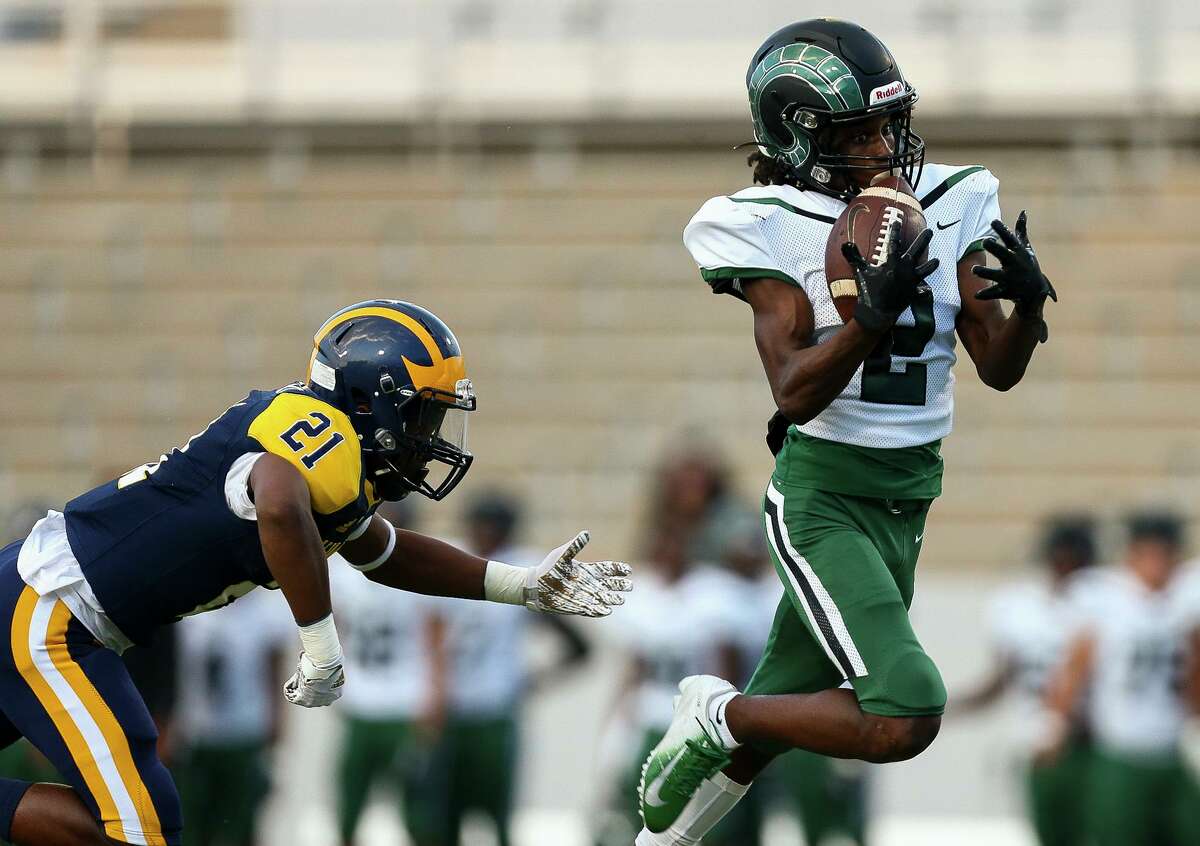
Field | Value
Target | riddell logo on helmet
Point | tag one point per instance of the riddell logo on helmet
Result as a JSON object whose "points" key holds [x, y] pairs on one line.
{"points": [[886, 92]]}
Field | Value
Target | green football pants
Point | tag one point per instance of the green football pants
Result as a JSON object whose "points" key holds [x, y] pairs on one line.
{"points": [[1143, 802], [1056, 796], [848, 566]]}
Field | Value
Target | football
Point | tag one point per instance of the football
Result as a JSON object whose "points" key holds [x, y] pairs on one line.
{"points": [[865, 222]]}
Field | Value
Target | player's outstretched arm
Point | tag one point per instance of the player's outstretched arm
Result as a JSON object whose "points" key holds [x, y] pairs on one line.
{"points": [[1064, 692], [1002, 347], [804, 376], [295, 555], [559, 585]]}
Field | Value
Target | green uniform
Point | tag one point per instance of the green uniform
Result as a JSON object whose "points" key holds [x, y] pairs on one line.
{"points": [[222, 787], [1151, 801], [481, 754], [844, 524], [375, 749], [1056, 796]]}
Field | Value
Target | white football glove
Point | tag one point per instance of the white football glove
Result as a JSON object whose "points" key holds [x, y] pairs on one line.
{"points": [[313, 686], [562, 585]]}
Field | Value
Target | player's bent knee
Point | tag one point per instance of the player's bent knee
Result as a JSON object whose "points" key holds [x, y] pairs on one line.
{"points": [[906, 718], [915, 686], [891, 739]]}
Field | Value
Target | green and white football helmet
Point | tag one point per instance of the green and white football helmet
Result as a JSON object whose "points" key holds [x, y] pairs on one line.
{"points": [[817, 73]]}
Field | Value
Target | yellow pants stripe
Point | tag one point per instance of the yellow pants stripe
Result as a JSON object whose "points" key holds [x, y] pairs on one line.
{"points": [[110, 745], [22, 618], [114, 735]]}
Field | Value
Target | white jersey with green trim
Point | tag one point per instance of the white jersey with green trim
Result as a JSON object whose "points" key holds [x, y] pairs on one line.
{"points": [[1141, 640], [899, 400], [384, 638], [225, 667], [1031, 626], [673, 630], [487, 646]]}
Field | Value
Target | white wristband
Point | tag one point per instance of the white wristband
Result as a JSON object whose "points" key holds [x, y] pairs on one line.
{"points": [[505, 583], [320, 642], [385, 555]]}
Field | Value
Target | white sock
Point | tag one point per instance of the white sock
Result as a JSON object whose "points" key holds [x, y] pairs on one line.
{"points": [[713, 799], [716, 715]]}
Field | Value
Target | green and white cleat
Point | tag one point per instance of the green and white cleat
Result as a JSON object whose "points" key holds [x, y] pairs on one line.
{"points": [[691, 751]]}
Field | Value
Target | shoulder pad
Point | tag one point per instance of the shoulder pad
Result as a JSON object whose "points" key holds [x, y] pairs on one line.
{"points": [[942, 179], [319, 441], [725, 240]]}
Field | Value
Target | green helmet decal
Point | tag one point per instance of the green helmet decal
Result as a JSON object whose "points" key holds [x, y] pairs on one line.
{"points": [[824, 72], [814, 74]]}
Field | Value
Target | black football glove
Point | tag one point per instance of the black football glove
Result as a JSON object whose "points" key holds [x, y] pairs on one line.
{"points": [[886, 290], [1019, 277], [777, 429]]}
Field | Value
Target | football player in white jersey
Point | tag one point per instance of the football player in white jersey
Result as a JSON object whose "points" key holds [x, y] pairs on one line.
{"points": [[1136, 660], [675, 625], [863, 406], [1031, 624], [395, 646], [231, 717], [490, 676]]}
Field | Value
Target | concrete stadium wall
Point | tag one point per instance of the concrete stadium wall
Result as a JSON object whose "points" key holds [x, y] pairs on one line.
{"points": [[138, 301]]}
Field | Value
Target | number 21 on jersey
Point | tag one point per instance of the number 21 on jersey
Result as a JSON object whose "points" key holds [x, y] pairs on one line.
{"points": [[312, 431]]}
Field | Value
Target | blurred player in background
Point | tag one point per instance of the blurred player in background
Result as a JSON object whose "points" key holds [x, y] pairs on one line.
{"points": [[1032, 624], [395, 714], [1134, 667], [489, 679], [691, 496], [274, 485], [227, 726], [863, 406], [664, 638]]}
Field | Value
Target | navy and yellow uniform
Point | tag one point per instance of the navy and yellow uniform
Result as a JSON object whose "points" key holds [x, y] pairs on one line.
{"points": [[165, 540]]}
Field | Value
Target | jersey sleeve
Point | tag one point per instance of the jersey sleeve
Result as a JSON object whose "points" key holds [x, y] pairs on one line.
{"points": [[319, 441], [998, 617], [728, 244], [982, 206]]}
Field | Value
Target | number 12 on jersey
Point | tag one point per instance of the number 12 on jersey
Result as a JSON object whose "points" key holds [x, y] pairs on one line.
{"points": [[311, 430]]}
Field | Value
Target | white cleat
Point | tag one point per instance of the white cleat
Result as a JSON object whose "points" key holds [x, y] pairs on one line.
{"points": [[690, 752]]}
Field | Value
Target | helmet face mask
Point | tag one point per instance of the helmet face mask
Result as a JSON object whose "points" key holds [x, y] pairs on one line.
{"points": [[816, 75], [426, 451], [397, 372], [906, 154]]}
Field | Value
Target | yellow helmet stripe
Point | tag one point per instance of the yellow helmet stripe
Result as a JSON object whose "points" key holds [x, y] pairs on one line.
{"points": [[442, 373], [431, 347]]}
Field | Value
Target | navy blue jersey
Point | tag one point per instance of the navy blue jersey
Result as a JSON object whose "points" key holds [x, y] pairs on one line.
{"points": [[163, 542]]}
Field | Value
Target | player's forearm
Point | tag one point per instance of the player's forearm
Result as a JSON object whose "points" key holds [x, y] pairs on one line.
{"points": [[1191, 689], [296, 558], [424, 565], [1065, 689], [987, 693], [807, 380], [1008, 352]]}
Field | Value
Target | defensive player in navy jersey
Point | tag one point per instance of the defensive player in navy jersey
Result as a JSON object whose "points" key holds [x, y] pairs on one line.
{"points": [[273, 486]]}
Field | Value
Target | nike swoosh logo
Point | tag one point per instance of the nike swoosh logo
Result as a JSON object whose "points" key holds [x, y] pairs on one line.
{"points": [[653, 791], [948, 225], [920, 536]]}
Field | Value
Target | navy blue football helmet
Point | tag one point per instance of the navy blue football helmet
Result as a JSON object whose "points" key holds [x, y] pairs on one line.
{"points": [[397, 372]]}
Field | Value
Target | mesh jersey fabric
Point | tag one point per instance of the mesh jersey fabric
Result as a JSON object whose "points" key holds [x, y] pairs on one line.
{"points": [[780, 232]]}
